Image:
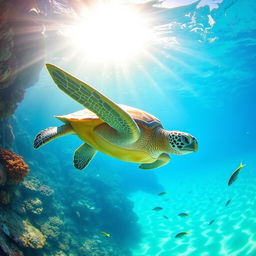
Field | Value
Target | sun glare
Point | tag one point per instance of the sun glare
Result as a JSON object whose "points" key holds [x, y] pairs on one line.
{"points": [[110, 32]]}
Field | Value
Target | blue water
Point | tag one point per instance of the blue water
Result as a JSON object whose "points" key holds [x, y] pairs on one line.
{"points": [[205, 86]]}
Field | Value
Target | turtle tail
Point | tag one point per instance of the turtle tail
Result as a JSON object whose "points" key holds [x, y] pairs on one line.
{"points": [[50, 134]]}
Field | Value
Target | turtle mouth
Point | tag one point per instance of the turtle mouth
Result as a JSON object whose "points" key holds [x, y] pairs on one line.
{"points": [[192, 147]]}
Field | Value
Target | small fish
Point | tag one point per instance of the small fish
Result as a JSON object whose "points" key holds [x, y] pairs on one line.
{"points": [[228, 202], [157, 209], [166, 217], [105, 234], [210, 223], [234, 175], [78, 214], [183, 214], [162, 193], [181, 234]]}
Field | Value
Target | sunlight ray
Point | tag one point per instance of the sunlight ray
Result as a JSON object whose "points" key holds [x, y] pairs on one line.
{"points": [[185, 86], [131, 88], [152, 81], [171, 57]]}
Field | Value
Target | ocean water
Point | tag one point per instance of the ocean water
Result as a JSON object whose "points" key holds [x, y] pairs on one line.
{"points": [[200, 78]]}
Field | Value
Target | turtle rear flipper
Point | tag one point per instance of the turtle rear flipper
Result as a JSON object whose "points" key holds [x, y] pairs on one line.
{"points": [[162, 160], [83, 156], [50, 134]]}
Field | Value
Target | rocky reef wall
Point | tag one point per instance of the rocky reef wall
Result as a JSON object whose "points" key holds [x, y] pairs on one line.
{"points": [[22, 52]]}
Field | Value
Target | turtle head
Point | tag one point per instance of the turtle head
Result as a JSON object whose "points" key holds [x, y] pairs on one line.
{"points": [[182, 143]]}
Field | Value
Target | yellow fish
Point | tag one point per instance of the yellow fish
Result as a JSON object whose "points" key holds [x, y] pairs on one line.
{"points": [[162, 193], [105, 234], [183, 214], [234, 175], [181, 234]]}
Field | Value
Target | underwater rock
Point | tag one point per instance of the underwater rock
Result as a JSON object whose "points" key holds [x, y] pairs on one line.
{"points": [[14, 165], [7, 57], [19, 208], [9, 248], [6, 134], [5, 197], [22, 52], [9, 98], [3, 175], [34, 206], [20, 231]]}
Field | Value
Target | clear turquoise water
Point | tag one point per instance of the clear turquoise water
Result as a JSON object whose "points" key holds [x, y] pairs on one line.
{"points": [[204, 86], [204, 198]]}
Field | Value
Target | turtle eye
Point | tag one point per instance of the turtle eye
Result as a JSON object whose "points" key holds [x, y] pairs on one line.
{"points": [[186, 140]]}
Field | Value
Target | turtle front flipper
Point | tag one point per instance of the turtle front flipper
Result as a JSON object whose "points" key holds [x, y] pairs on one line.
{"points": [[83, 156], [162, 160], [50, 134], [92, 99]]}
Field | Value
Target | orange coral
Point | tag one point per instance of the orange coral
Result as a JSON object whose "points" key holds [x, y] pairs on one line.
{"points": [[14, 164]]}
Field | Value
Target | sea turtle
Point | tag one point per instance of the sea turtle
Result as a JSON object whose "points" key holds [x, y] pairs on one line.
{"points": [[120, 131]]}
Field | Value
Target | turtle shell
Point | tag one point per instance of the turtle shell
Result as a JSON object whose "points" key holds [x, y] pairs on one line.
{"points": [[141, 117]]}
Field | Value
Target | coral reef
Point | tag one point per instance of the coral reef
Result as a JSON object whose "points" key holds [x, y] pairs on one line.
{"points": [[33, 187], [31, 237], [34, 206], [31, 184], [101, 199], [14, 165], [45, 190], [99, 247], [52, 228], [57, 211], [22, 232], [91, 206]]}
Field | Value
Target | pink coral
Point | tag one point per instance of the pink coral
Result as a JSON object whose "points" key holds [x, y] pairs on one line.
{"points": [[14, 165]]}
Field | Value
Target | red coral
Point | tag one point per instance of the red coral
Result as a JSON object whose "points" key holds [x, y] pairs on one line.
{"points": [[14, 164]]}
